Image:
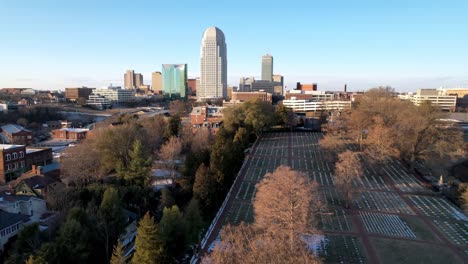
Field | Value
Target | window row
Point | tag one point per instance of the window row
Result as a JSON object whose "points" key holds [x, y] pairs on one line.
{"points": [[15, 165], [15, 156], [9, 230]]}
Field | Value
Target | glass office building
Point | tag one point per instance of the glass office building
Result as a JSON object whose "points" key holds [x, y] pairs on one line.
{"points": [[174, 80]]}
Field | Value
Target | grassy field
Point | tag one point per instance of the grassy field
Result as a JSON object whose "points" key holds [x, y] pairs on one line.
{"points": [[404, 252]]}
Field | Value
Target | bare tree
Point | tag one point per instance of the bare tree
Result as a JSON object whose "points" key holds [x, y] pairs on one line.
{"points": [[201, 141], [286, 204], [348, 168], [88, 168], [169, 152], [420, 135], [245, 244], [380, 142]]}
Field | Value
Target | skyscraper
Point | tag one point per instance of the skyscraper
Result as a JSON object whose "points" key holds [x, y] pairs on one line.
{"points": [[213, 65], [156, 82], [138, 80], [129, 79], [267, 68], [133, 80], [174, 80]]}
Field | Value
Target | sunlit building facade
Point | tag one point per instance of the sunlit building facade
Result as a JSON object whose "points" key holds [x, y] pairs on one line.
{"points": [[174, 80], [213, 65]]}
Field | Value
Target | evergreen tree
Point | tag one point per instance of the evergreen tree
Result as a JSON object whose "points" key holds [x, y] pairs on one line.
{"points": [[118, 255], [173, 231], [139, 167], [148, 246], [110, 218], [193, 221]]}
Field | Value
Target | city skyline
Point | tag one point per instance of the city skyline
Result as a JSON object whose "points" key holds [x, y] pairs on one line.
{"points": [[364, 44]]}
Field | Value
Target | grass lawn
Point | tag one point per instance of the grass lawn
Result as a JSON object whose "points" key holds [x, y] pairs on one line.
{"points": [[419, 228], [404, 252]]}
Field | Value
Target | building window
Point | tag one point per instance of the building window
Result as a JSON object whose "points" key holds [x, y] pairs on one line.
{"points": [[8, 166], [7, 157], [2, 233], [21, 154], [16, 165], [15, 155], [22, 163]]}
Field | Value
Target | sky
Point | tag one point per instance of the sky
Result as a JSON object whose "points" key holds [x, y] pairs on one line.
{"points": [[407, 44]]}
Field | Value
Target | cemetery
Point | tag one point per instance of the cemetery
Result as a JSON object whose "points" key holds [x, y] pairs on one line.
{"points": [[391, 206]]}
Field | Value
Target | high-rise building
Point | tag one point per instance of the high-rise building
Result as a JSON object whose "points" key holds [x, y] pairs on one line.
{"points": [[213, 65], [245, 84], [129, 79], [267, 68], [133, 80], [156, 82], [138, 80], [174, 80], [278, 79], [192, 86]]}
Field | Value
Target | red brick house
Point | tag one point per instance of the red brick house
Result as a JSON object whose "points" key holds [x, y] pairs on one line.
{"points": [[15, 134]]}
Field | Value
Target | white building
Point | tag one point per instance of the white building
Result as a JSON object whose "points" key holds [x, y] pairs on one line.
{"points": [[98, 101], [434, 96], [16, 211], [116, 94], [213, 65], [313, 106]]}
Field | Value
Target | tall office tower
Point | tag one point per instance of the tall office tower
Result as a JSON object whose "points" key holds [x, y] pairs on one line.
{"points": [[156, 82], [174, 80], [267, 68], [213, 65], [138, 80], [129, 79]]}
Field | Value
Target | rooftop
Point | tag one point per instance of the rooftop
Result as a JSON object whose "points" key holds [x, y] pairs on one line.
{"points": [[9, 146], [12, 128], [9, 219], [77, 130]]}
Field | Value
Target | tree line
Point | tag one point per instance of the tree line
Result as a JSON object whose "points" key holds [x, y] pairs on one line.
{"points": [[108, 175]]}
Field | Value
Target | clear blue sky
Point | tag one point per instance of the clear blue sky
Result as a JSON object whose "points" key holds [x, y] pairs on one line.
{"points": [[407, 44]]}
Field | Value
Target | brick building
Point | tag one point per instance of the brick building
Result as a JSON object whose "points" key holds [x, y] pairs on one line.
{"points": [[12, 161], [306, 87], [206, 116], [192, 86], [17, 159], [15, 134], [252, 96], [38, 157], [70, 133], [72, 94]]}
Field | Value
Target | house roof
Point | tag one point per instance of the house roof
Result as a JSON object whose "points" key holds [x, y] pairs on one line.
{"points": [[38, 182], [9, 219], [12, 128]]}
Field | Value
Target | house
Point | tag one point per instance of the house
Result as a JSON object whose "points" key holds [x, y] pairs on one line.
{"points": [[10, 225], [21, 204], [17, 211], [16, 134], [38, 182]]}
